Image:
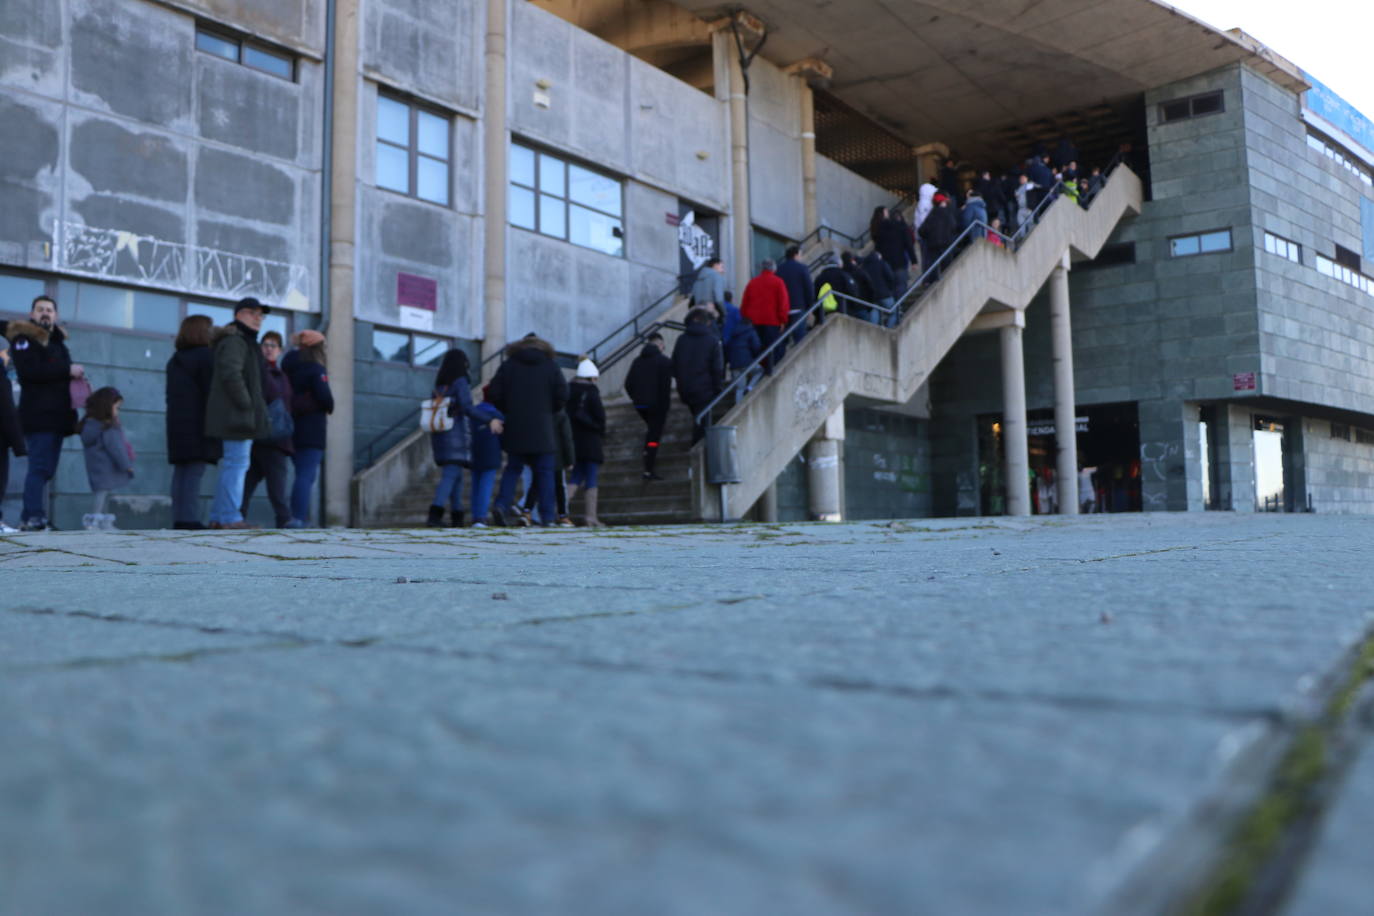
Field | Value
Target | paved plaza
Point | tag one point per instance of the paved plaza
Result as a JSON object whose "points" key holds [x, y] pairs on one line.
{"points": [[1042, 716]]}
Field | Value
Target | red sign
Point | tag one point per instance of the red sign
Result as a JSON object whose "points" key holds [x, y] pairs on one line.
{"points": [[672, 219], [417, 292], [1243, 381]]}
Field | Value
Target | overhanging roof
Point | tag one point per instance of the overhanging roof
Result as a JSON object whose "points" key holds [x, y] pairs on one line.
{"points": [[949, 71]]}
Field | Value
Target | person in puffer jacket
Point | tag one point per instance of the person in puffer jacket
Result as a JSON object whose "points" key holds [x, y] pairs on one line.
{"points": [[485, 427], [109, 457]]}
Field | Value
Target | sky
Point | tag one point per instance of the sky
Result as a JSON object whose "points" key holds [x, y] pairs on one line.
{"points": [[1330, 39]]}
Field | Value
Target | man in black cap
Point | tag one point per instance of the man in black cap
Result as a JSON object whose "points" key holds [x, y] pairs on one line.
{"points": [[45, 370], [236, 410]]}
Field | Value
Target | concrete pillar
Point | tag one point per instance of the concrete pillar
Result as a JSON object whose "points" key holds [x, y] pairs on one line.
{"points": [[929, 158], [1014, 443], [338, 453], [1065, 404], [496, 153], [810, 215], [825, 470], [739, 162], [768, 503]]}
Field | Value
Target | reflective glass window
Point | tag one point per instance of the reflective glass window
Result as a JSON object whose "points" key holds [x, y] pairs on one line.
{"points": [[429, 351], [553, 216], [390, 346], [522, 208], [413, 150], [393, 168], [431, 180], [551, 175], [433, 132], [393, 121], [268, 61], [17, 293], [522, 165], [594, 230], [217, 45], [564, 200], [592, 190]]}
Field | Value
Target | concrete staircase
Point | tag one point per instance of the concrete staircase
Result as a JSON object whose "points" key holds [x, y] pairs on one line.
{"points": [[628, 499], [984, 285]]}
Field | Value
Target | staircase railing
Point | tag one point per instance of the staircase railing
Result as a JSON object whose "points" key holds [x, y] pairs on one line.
{"points": [[738, 387]]}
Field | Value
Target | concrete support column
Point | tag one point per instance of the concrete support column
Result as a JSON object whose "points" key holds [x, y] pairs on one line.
{"points": [[1014, 442], [825, 470], [810, 214], [495, 148], [1065, 404], [768, 504], [739, 162], [336, 507]]}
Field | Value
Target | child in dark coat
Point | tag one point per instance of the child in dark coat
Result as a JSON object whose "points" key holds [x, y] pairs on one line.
{"points": [[109, 457], [485, 426]]}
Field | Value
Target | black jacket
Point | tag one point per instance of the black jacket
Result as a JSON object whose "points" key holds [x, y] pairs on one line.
{"points": [[698, 365], [941, 228], [801, 292], [11, 433], [529, 389], [188, 389], [839, 281], [862, 287], [893, 242], [649, 383], [882, 282], [313, 400], [588, 418], [44, 367]]}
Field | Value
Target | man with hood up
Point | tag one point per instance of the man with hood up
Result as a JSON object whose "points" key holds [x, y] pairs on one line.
{"points": [[698, 366], [45, 370], [528, 389], [649, 385]]}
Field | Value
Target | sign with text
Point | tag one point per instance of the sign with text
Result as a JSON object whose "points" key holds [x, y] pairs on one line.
{"points": [[417, 292], [1243, 381]]}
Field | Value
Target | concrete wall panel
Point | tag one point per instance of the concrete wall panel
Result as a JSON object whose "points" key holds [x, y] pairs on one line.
{"points": [[775, 183], [844, 200], [432, 48], [140, 163], [671, 126], [295, 23], [133, 60], [248, 109], [242, 186], [30, 46], [30, 149]]}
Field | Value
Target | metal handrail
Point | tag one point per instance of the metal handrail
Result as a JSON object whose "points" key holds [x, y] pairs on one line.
{"points": [[1011, 242], [633, 322], [859, 240]]}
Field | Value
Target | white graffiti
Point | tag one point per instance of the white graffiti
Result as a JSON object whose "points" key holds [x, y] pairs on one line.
{"points": [[697, 244], [147, 261], [810, 397]]}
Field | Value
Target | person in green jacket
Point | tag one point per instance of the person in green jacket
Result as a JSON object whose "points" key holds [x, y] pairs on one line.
{"points": [[236, 411]]}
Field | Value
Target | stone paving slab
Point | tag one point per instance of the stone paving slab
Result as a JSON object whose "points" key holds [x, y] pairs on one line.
{"points": [[949, 717]]}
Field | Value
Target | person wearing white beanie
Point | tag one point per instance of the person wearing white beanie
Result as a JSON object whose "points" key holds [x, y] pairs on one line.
{"points": [[588, 417]]}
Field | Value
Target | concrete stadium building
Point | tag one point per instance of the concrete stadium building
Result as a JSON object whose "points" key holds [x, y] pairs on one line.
{"points": [[411, 176]]}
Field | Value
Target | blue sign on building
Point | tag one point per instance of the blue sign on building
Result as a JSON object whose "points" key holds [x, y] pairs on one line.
{"points": [[1324, 102], [1367, 224]]}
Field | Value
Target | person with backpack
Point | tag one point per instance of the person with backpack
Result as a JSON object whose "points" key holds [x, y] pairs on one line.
{"points": [[834, 279], [109, 456], [452, 448], [649, 386], [588, 416]]}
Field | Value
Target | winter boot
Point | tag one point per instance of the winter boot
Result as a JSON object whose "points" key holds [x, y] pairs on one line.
{"points": [[91, 521], [650, 459], [455, 518], [106, 522], [436, 517], [590, 496]]}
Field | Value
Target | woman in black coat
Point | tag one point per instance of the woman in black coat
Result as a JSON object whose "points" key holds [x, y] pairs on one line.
{"points": [[11, 435], [588, 417], [189, 450]]}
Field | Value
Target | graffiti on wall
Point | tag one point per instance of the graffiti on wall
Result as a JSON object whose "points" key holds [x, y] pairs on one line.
{"points": [[113, 254]]}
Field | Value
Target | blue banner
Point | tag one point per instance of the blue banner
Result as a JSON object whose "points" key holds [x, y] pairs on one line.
{"points": [[1324, 102], [1367, 224]]}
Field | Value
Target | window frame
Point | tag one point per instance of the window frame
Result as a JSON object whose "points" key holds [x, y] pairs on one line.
{"points": [[1333, 269], [566, 164], [1324, 146], [1191, 101], [51, 287], [414, 107], [241, 42], [1281, 247], [450, 343], [1199, 236]]}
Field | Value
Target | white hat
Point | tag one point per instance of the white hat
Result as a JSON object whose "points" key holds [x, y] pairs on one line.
{"points": [[587, 369]]}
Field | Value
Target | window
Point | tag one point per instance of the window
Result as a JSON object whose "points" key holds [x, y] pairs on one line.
{"points": [[1282, 247], [143, 311], [1340, 431], [249, 53], [1329, 268], [565, 200], [1200, 243], [1192, 107], [1346, 160], [412, 150], [408, 348]]}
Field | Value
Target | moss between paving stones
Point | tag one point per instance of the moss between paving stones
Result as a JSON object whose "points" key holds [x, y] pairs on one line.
{"points": [[1293, 798]]}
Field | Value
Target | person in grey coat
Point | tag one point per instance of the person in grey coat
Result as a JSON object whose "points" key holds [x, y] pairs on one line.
{"points": [[109, 457], [709, 286]]}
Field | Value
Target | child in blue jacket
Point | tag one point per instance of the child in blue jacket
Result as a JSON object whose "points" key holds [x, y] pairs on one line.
{"points": [[486, 425]]}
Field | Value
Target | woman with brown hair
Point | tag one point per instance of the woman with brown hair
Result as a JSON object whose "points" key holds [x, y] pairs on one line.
{"points": [[305, 369], [189, 450]]}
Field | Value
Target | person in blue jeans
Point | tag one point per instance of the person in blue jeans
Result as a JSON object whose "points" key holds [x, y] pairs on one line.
{"points": [[235, 410], [45, 370], [452, 448], [528, 389], [311, 403], [486, 425]]}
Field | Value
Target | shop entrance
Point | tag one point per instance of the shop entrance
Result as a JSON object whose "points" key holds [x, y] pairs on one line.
{"points": [[1269, 466], [1108, 460]]}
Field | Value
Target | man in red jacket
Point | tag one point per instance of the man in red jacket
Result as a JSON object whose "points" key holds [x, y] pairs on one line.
{"points": [[765, 304]]}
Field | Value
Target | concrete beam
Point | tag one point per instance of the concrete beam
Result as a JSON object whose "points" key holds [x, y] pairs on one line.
{"points": [[992, 321]]}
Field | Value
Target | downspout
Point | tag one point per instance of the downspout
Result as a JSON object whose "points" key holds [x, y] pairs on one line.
{"points": [[326, 164]]}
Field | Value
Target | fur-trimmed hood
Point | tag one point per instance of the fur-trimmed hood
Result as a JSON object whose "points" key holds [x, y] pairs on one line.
{"points": [[227, 330], [20, 327], [515, 348]]}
